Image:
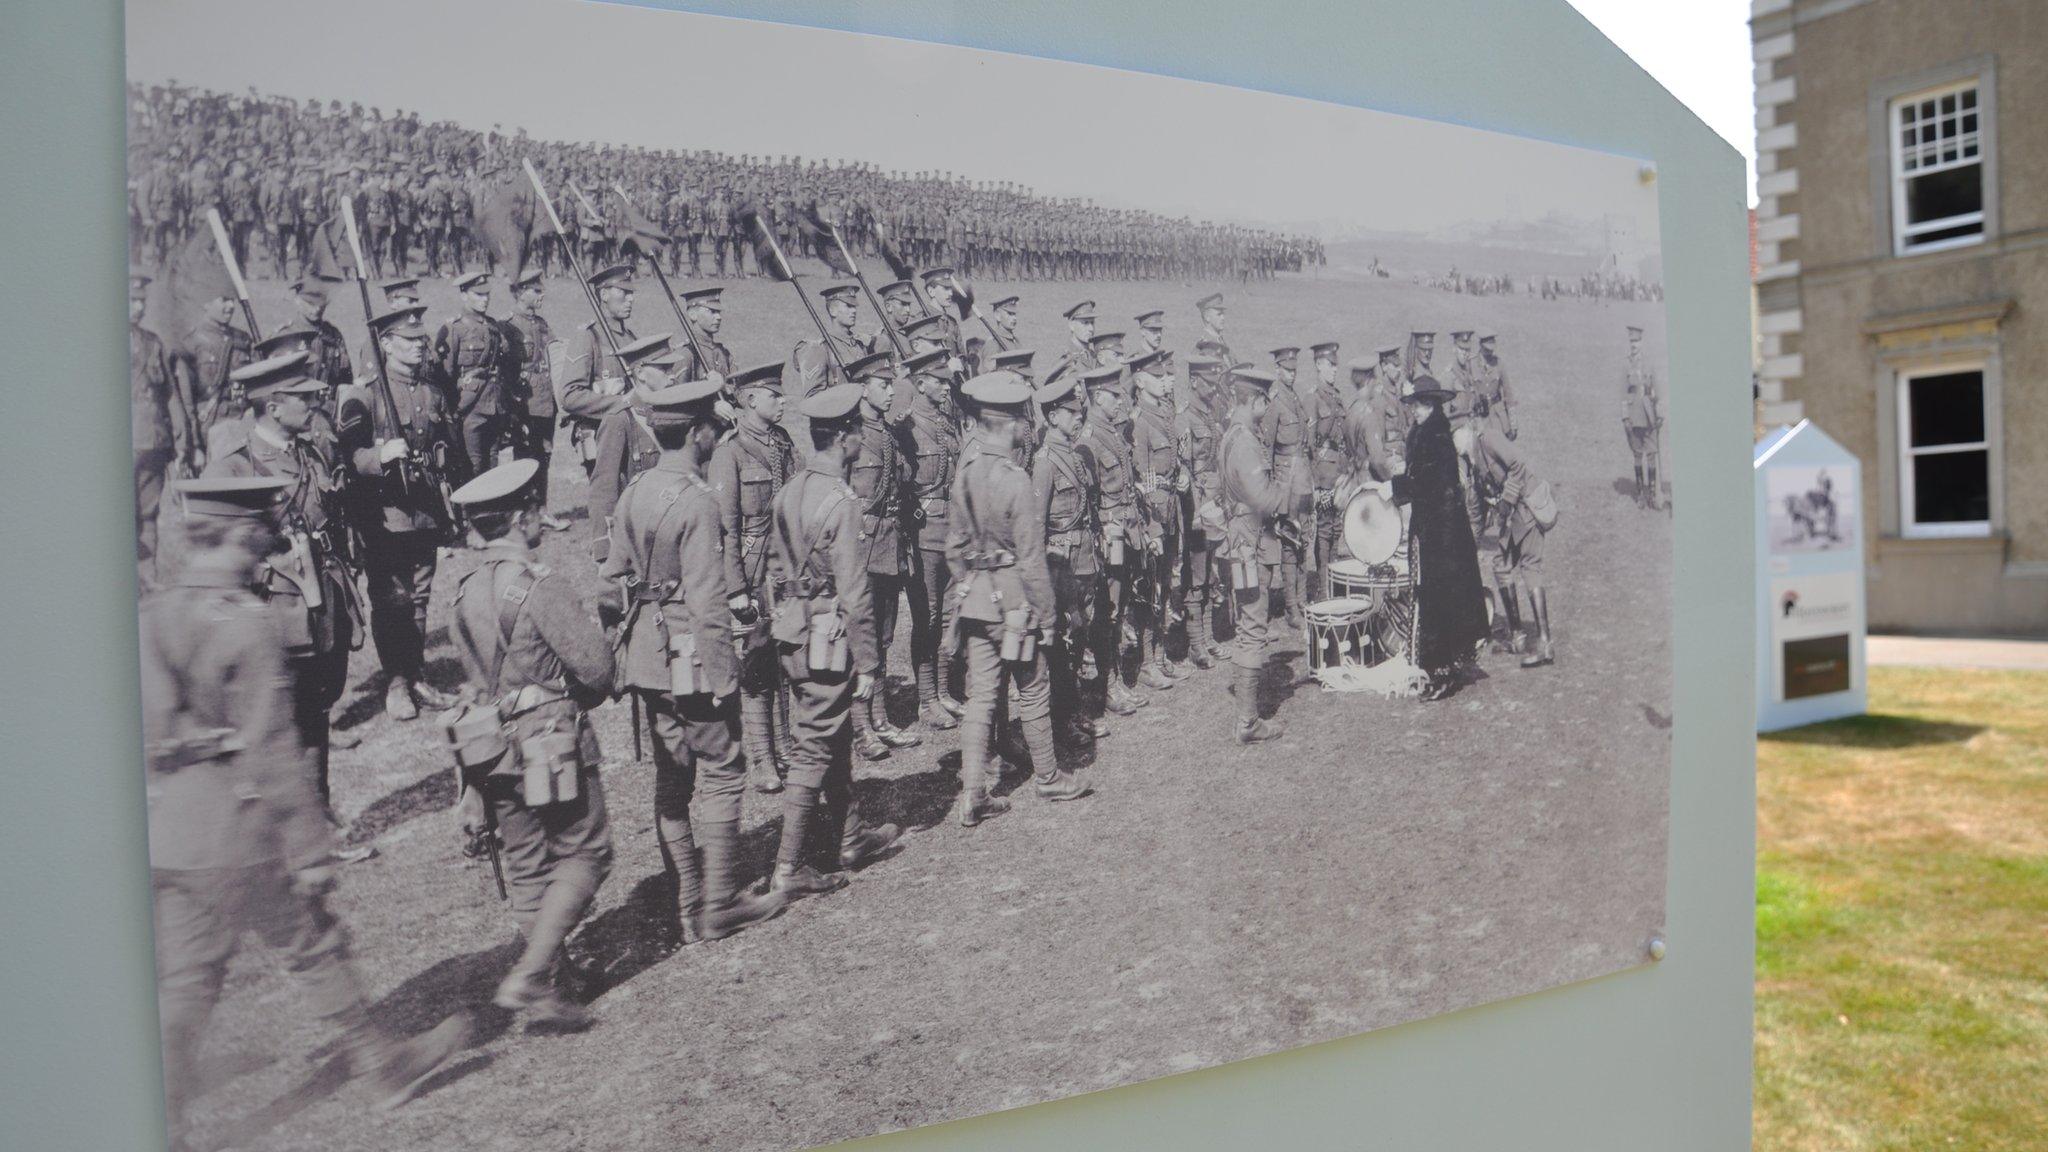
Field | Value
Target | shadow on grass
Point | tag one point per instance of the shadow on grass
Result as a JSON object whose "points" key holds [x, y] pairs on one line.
{"points": [[1876, 730], [434, 792]]}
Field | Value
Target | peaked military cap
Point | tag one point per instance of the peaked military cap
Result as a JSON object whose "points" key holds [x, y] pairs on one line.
{"points": [[471, 282], [1210, 348], [1362, 363], [527, 279], [931, 362], [284, 373], [1005, 302], [232, 497], [925, 326], [998, 389], [502, 489], [402, 286], [767, 375], [1285, 354], [310, 286], [1016, 359], [1085, 310], [1101, 338], [898, 289], [616, 276], [1256, 377], [637, 352], [1327, 350], [403, 323], [1426, 337], [1204, 364], [1486, 337], [1154, 319], [872, 365], [1157, 362], [1635, 333], [289, 340], [1389, 350], [1058, 392], [936, 276], [1460, 335], [690, 402], [831, 405], [1108, 376], [712, 297], [835, 291], [1212, 301]]}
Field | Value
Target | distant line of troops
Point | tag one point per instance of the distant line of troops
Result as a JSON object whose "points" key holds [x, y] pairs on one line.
{"points": [[1048, 529]]}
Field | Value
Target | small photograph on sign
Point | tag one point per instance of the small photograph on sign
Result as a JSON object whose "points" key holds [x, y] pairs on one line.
{"points": [[1812, 509], [1816, 666]]}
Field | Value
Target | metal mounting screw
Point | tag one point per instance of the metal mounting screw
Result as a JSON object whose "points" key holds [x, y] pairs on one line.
{"points": [[1656, 947]]}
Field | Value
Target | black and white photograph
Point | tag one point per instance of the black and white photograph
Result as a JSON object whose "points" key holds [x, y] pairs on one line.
{"points": [[1812, 509], [717, 584]]}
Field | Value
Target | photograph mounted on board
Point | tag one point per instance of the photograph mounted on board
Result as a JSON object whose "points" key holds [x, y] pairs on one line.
{"points": [[1812, 509], [761, 611]]}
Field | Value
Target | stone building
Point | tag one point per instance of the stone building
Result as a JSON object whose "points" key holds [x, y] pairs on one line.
{"points": [[1902, 285]]}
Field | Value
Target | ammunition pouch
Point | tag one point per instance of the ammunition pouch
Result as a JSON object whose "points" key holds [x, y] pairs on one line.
{"points": [[477, 739], [551, 764]]}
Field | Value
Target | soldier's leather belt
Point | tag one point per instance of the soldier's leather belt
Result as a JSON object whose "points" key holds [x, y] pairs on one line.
{"points": [[989, 561]]}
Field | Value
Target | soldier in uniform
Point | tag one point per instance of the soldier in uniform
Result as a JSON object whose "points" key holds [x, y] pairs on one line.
{"points": [[237, 839], [593, 382], [397, 508], [1642, 422], [329, 349], [1459, 378], [899, 297], [881, 472], [748, 470], [1122, 522], [939, 299], [1490, 383], [1079, 355], [1213, 313], [822, 555], [469, 352], [1255, 500], [1161, 482], [813, 361], [1370, 444], [1503, 487], [1066, 483], [684, 616], [625, 444], [159, 419], [530, 376], [935, 451], [1286, 431], [204, 365], [1197, 432], [535, 661], [1002, 319], [996, 545], [704, 312], [1326, 464], [1151, 333], [308, 581]]}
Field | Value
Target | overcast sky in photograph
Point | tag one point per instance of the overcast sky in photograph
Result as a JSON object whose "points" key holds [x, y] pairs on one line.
{"points": [[559, 68]]}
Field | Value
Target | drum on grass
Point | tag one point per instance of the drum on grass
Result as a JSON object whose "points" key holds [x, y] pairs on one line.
{"points": [[1338, 633]]}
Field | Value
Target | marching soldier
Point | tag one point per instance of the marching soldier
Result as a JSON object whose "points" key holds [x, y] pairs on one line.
{"points": [[1197, 432], [995, 542], [1256, 500], [935, 450], [536, 661], [1490, 383], [531, 397], [307, 582], [1156, 459], [813, 360], [1286, 432], [395, 460], [625, 444], [237, 839], [748, 470], [685, 616], [939, 295], [329, 349], [469, 353], [881, 472], [212, 351], [1507, 495], [594, 383], [160, 419], [704, 312], [1121, 519], [1327, 464], [826, 642], [899, 297], [1642, 421]]}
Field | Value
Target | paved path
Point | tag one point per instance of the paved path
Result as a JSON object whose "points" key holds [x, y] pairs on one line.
{"points": [[1955, 652]]}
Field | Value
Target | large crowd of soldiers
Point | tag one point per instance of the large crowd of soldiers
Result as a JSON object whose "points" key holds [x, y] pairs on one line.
{"points": [[276, 168], [1052, 527]]}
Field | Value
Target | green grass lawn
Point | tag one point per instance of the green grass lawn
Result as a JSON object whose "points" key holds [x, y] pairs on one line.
{"points": [[1902, 920]]}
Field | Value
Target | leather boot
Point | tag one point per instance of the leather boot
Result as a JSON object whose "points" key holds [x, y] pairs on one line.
{"points": [[398, 1068], [727, 908], [929, 712], [757, 736], [862, 843], [794, 879], [1543, 654], [867, 744], [679, 857], [976, 805]]}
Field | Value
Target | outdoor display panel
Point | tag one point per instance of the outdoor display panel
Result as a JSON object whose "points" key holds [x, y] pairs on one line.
{"points": [[1429, 768]]}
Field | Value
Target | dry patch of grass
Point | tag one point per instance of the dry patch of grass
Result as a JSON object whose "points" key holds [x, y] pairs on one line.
{"points": [[1902, 920]]}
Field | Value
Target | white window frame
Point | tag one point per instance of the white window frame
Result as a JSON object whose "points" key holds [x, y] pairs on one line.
{"points": [[1908, 525], [1902, 231]]}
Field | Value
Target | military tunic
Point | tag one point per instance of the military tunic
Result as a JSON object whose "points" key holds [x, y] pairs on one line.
{"points": [[1255, 498], [401, 523], [820, 547], [625, 448], [469, 352]]}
